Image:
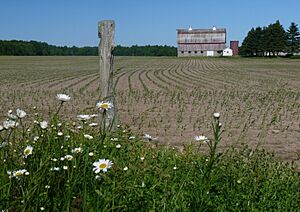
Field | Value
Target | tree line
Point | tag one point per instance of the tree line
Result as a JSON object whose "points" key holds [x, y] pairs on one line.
{"points": [[271, 40], [35, 48]]}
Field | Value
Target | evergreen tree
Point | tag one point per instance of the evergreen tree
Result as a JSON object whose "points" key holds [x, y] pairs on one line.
{"points": [[293, 39], [275, 38]]}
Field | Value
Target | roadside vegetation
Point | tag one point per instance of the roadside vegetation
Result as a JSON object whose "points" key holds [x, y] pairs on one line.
{"points": [[62, 165]]}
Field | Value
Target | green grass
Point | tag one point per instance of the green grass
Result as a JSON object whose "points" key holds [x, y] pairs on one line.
{"points": [[158, 178]]}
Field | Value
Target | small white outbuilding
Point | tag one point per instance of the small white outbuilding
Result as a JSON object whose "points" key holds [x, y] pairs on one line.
{"points": [[227, 52]]}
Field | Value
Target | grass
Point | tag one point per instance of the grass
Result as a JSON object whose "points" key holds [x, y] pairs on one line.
{"points": [[143, 176]]}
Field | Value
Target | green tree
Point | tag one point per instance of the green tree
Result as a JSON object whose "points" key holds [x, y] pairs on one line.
{"points": [[293, 39], [275, 38]]}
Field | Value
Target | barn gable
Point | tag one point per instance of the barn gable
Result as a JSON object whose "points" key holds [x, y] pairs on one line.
{"points": [[201, 42]]}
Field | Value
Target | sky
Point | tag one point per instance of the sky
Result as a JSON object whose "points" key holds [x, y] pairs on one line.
{"points": [[138, 22]]}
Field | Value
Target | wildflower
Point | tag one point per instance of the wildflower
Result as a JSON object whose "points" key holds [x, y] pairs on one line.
{"points": [[67, 137], [69, 157], [59, 124], [28, 151], [143, 184], [59, 133], [19, 173], [91, 154], [55, 169], [104, 106], [34, 108], [83, 117], [93, 124], [125, 168], [149, 137], [114, 139], [10, 115], [1, 128], [77, 150], [54, 159], [10, 174], [118, 146], [79, 127], [201, 138], [217, 115], [63, 97], [94, 115], [42, 208], [10, 124], [44, 124], [174, 167], [88, 136], [131, 137], [62, 158], [142, 159], [26, 173], [98, 177], [65, 167], [21, 113], [102, 165]]}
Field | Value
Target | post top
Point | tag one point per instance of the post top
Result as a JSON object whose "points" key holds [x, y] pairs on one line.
{"points": [[106, 28]]}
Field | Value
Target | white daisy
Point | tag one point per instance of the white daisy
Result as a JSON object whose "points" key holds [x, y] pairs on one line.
{"points": [[88, 136], [21, 113], [217, 115], [19, 173], [118, 146], [201, 138], [103, 106], [10, 124], [93, 124], [149, 137], [77, 150], [55, 169], [28, 151], [102, 165], [83, 117], [125, 168], [44, 124], [69, 157], [63, 97]]}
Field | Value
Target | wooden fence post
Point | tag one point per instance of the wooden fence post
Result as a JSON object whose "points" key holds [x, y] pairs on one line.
{"points": [[106, 31]]}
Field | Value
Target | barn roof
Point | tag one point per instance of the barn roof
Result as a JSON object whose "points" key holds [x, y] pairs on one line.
{"points": [[200, 31]]}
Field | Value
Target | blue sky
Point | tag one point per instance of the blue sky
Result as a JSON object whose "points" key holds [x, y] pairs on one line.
{"points": [[141, 22]]}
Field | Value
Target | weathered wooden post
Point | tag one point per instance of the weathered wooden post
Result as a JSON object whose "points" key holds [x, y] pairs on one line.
{"points": [[106, 31]]}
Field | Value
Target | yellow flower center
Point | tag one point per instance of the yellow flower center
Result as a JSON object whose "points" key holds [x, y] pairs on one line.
{"points": [[19, 173], [27, 151], [104, 106], [102, 165]]}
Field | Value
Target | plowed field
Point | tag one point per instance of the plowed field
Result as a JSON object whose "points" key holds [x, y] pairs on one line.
{"points": [[170, 98]]}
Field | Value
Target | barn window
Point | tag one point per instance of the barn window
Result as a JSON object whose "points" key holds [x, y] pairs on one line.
{"points": [[195, 52], [201, 52], [189, 52], [182, 52]]}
